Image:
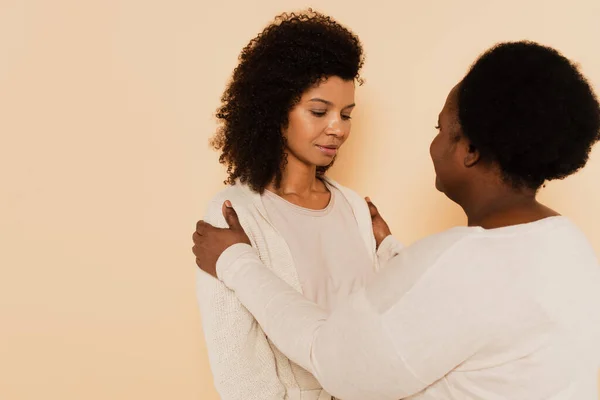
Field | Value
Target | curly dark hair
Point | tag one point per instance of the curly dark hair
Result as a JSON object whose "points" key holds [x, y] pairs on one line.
{"points": [[295, 52], [529, 109]]}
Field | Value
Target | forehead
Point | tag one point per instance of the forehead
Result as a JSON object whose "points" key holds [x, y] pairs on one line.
{"points": [[449, 112], [333, 88]]}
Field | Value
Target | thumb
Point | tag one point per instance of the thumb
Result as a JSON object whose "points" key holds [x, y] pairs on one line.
{"points": [[372, 207], [231, 216]]}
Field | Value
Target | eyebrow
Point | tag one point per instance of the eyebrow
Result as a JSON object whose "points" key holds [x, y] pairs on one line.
{"points": [[318, 100]]}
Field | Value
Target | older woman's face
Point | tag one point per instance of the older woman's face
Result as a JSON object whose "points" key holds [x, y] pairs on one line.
{"points": [[320, 123], [447, 149]]}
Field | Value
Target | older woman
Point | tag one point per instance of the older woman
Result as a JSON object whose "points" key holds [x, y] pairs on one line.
{"points": [[504, 308]]}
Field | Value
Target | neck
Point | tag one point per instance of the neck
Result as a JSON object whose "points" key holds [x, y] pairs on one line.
{"points": [[297, 178], [503, 205]]}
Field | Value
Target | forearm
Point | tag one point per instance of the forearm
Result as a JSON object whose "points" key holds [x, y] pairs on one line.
{"points": [[349, 352]]}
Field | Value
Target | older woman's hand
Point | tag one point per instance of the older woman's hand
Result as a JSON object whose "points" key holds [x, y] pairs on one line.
{"points": [[211, 242], [381, 230]]}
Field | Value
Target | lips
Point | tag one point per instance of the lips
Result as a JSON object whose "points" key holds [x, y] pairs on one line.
{"points": [[329, 150]]}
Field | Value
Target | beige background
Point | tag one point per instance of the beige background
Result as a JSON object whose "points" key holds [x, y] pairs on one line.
{"points": [[105, 112]]}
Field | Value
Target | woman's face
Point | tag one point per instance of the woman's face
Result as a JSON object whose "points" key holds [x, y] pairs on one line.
{"points": [[320, 123], [449, 149]]}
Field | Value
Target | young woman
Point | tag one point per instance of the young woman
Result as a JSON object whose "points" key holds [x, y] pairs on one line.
{"points": [[504, 308], [284, 117]]}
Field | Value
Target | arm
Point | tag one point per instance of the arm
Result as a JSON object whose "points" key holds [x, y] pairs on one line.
{"points": [[347, 352], [390, 341], [389, 248], [241, 358]]}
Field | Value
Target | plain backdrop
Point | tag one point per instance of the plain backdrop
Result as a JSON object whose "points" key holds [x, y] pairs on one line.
{"points": [[106, 108]]}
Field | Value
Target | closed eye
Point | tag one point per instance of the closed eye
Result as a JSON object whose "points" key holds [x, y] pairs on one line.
{"points": [[318, 114]]}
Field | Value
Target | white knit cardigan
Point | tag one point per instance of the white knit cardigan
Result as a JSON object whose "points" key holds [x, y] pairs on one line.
{"points": [[244, 362]]}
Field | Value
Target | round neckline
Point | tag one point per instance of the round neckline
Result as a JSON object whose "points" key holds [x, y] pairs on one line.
{"points": [[524, 227], [303, 210]]}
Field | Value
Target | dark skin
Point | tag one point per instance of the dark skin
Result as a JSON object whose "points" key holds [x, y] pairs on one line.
{"points": [[462, 175], [211, 242], [381, 230], [475, 184]]}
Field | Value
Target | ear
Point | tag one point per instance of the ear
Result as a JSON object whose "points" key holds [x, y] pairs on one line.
{"points": [[472, 156]]}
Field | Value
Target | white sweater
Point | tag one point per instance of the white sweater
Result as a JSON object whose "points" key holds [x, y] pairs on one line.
{"points": [[245, 363], [509, 313]]}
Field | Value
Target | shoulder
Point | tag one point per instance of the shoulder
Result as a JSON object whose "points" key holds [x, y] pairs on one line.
{"points": [[445, 240], [353, 197], [241, 197], [235, 193], [441, 248]]}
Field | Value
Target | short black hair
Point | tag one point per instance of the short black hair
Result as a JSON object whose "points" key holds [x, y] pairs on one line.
{"points": [[295, 52], [529, 109]]}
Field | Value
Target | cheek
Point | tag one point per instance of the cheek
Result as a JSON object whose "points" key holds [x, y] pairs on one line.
{"points": [[302, 129], [347, 131], [434, 148], [441, 156]]}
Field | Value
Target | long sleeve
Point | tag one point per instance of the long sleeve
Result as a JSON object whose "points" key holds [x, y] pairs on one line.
{"points": [[389, 341], [241, 359], [389, 248], [350, 352]]}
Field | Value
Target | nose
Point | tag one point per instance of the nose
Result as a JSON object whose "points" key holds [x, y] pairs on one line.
{"points": [[336, 127]]}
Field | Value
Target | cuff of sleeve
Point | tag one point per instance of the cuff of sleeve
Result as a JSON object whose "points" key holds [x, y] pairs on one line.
{"points": [[389, 247], [226, 263]]}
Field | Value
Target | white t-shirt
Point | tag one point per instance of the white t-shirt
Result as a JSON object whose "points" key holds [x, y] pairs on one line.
{"points": [[329, 253], [509, 313]]}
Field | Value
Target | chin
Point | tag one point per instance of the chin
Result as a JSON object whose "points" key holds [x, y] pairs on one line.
{"points": [[324, 164], [438, 185], [323, 161]]}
